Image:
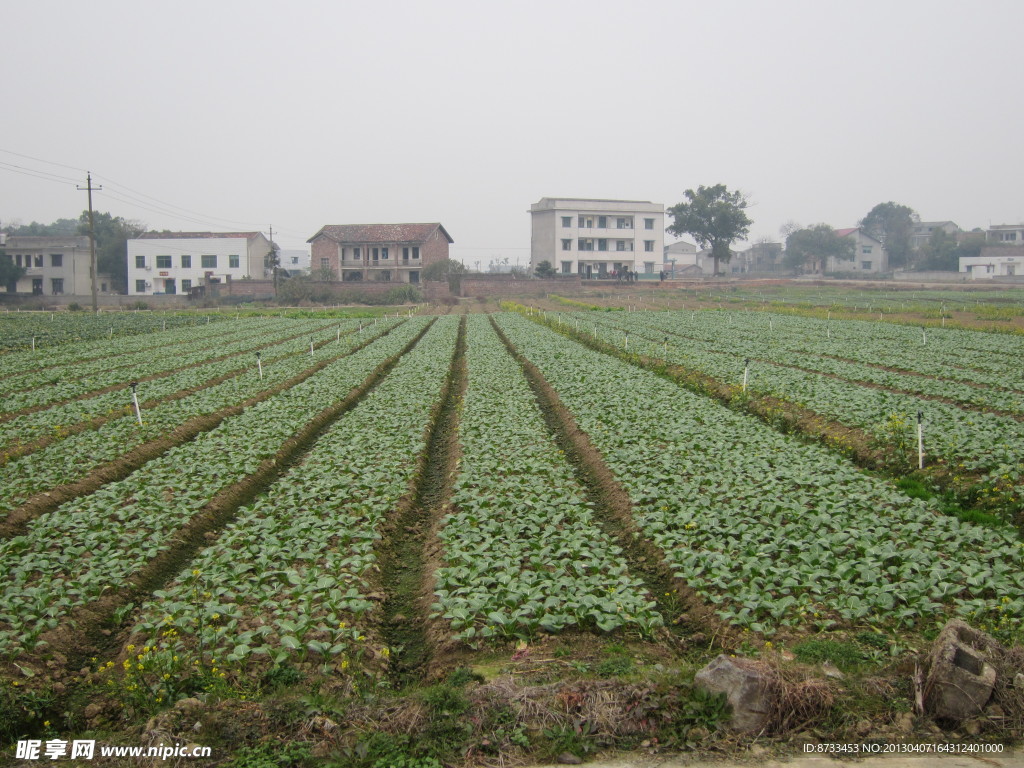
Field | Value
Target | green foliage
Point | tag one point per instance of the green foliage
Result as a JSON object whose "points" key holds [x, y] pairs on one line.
{"points": [[23, 710], [893, 225], [386, 750], [577, 739], [714, 217], [544, 269], [817, 242], [843, 654], [616, 666], [403, 294], [9, 271], [294, 754], [939, 253]]}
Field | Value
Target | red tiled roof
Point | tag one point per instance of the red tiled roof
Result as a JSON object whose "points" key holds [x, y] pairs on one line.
{"points": [[380, 233], [845, 232]]}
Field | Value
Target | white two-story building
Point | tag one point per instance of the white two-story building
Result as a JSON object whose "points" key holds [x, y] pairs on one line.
{"points": [[175, 262], [54, 265], [596, 238]]}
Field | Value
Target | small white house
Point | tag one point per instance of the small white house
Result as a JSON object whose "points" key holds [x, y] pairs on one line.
{"points": [[994, 261], [175, 262], [869, 255]]}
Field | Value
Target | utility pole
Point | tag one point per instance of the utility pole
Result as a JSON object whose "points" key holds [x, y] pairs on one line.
{"points": [[273, 259], [92, 240]]}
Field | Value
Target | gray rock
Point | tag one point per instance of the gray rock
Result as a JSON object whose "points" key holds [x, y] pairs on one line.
{"points": [[960, 680], [748, 687], [568, 758]]}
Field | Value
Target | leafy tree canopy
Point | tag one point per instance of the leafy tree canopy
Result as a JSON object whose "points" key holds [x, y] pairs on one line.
{"points": [[443, 270], [544, 269], [817, 242], [714, 217], [893, 224]]}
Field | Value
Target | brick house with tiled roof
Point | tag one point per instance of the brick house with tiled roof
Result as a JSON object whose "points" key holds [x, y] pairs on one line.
{"points": [[394, 253]]}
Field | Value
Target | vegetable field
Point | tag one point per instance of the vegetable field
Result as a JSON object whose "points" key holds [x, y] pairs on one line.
{"points": [[549, 473]]}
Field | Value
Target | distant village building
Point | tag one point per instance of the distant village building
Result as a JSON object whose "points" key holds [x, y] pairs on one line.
{"points": [[164, 263], [923, 231], [55, 265], [395, 253], [596, 238], [869, 254], [1013, 234], [296, 262], [994, 261], [681, 260]]}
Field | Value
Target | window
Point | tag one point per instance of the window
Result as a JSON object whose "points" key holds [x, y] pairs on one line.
{"points": [[56, 260], [233, 262], [586, 245], [140, 286], [186, 286], [567, 245], [405, 253], [140, 262], [57, 285], [415, 251], [37, 260], [567, 221], [648, 223], [186, 261], [602, 245], [1008, 236], [376, 254], [208, 261], [566, 267], [865, 249], [620, 245], [602, 222], [648, 245], [624, 222], [383, 253], [355, 254], [865, 265], [649, 267], [163, 262], [325, 263], [295, 259], [586, 222]]}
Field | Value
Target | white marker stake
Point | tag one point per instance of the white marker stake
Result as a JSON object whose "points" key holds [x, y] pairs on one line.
{"points": [[924, 337], [920, 442], [310, 346], [627, 341], [165, 325], [771, 325], [666, 346], [259, 365], [339, 333], [828, 333], [111, 334], [135, 402], [33, 343], [746, 372]]}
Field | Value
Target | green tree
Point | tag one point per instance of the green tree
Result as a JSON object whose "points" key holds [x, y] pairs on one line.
{"points": [[893, 224], [813, 243], [35, 229], [939, 253], [449, 269], [544, 269], [9, 271], [714, 217], [112, 236]]}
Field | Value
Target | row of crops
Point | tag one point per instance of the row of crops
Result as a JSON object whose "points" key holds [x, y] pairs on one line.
{"points": [[967, 385], [45, 330], [261, 538]]}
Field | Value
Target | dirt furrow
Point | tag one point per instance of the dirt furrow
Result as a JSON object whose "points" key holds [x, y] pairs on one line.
{"points": [[411, 535]]}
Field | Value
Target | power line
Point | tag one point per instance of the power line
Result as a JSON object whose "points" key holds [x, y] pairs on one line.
{"points": [[40, 160], [44, 175]]}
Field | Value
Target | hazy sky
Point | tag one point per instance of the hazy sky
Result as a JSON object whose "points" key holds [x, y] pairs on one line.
{"points": [[300, 114]]}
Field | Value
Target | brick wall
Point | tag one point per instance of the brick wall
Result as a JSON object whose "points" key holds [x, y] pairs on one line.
{"points": [[506, 285], [435, 249]]}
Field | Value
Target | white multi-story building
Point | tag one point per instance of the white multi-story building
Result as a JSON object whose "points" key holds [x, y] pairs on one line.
{"points": [[597, 238], [1011, 234], [869, 255], [175, 262], [54, 265]]}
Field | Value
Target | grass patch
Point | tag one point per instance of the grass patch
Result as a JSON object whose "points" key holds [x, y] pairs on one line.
{"points": [[843, 654]]}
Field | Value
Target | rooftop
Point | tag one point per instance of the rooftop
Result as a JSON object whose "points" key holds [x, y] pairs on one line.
{"points": [[380, 233]]}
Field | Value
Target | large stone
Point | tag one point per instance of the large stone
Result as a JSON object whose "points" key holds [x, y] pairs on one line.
{"points": [[748, 687], [960, 678]]}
